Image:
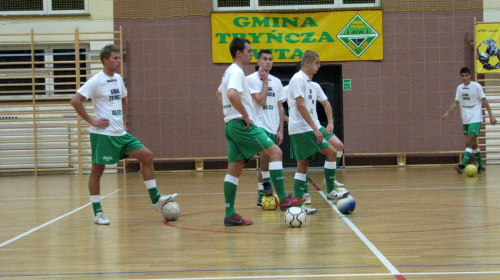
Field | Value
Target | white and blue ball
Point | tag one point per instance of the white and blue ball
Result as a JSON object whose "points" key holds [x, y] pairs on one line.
{"points": [[346, 205]]}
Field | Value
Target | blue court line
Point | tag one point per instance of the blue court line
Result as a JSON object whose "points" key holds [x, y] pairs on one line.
{"points": [[187, 271], [452, 265]]}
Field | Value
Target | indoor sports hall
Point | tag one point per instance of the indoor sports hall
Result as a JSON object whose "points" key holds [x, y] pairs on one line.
{"points": [[390, 69]]}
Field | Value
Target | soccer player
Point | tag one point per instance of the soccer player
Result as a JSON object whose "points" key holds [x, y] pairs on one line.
{"points": [[267, 93], [109, 138], [470, 96], [305, 134], [244, 138]]}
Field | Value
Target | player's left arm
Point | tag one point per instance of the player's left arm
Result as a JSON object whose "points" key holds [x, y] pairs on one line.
{"points": [[486, 105], [279, 136], [329, 115], [219, 96], [124, 112]]}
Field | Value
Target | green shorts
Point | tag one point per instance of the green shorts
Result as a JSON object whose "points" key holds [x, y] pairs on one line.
{"points": [[472, 128], [304, 145], [245, 143], [271, 136], [110, 149], [326, 136]]}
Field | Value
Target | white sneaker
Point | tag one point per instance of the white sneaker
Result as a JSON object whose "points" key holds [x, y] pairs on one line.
{"points": [[338, 193], [309, 210], [101, 219], [337, 183], [163, 200], [308, 198]]}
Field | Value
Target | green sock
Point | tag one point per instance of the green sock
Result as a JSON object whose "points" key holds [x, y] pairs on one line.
{"points": [[478, 158], [261, 194], [279, 183], [339, 161], [230, 198], [330, 179], [466, 157], [306, 185], [298, 187], [96, 206], [154, 195], [264, 180]]}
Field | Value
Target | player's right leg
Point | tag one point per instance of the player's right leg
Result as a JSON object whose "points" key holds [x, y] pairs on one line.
{"points": [[104, 151], [234, 169], [471, 132], [95, 194]]}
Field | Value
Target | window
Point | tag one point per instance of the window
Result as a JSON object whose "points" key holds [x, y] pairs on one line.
{"points": [[15, 72], [54, 68], [259, 5], [43, 7]]}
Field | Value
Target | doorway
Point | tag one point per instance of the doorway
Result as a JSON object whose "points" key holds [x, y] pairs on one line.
{"points": [[329, 77]]}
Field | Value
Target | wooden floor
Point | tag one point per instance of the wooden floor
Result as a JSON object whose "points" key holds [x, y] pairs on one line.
{"points": [[409, 223]]}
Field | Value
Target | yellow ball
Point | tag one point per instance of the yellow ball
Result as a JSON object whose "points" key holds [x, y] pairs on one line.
{"points": [[270, 202], [471, 170]]}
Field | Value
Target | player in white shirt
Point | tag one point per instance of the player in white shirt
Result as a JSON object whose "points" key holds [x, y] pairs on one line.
{"points": [[470, 96], [306, 137], [244, 138], [109, 138], [267, 93]]}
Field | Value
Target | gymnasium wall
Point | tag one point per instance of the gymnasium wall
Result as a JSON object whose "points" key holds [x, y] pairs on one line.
{"points": [[395, 105]]}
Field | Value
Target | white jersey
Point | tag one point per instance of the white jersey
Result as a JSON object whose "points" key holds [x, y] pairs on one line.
{"points": [[106, 93], [470, 98], [234, 78], [301, 86], [267, 116], [320, 96]]}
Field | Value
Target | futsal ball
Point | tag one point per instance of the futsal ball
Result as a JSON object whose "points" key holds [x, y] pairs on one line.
{"points": [[346, 205], [270, 202], [471, 170], [295, 217], [171, 211]]}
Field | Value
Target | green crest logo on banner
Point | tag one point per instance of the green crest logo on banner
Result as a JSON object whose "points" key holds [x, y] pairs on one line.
{"points": [[357, 35]]}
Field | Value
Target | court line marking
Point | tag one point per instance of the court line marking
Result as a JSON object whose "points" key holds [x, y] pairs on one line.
{"points": [[328, 275], [394, 271], [258, 277], [51, 221]]}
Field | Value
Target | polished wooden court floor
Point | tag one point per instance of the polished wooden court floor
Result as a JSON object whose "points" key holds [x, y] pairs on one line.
{"points": [[409, 223]]}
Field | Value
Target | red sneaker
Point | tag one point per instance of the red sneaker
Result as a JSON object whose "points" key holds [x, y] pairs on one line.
{"points": [[237, 221], [289, 201]]}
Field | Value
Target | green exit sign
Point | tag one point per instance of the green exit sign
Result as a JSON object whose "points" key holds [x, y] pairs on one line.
{"points": [[347, 84]]}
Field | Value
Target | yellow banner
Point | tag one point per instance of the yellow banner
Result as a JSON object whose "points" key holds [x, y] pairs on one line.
{"points": [[487, 52], [335, 36]]}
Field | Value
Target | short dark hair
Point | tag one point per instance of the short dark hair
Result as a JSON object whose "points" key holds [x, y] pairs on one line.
{"points": [[465, 70], [264, 52], [107, 50], [237, 44], [309, 56]]}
